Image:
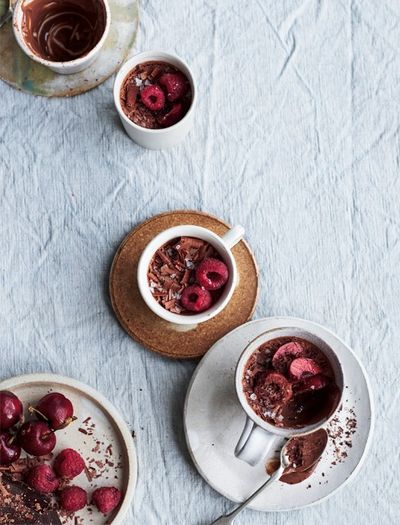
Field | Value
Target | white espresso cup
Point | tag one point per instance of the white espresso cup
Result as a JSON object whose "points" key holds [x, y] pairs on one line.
{"points": [[62, 68], [260, 438], [222, 245], [155, 138]]}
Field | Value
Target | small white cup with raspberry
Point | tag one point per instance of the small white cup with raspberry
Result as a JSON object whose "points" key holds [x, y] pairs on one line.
{"points": [[155, 95], [187, 274]]}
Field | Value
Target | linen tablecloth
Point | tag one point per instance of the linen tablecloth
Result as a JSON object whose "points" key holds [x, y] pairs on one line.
{"points": [[297, 139]]}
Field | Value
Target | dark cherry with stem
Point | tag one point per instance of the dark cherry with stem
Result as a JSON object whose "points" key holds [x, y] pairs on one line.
{"points": [[55, 409], [37, 438], [11, 410], [10, 451]]}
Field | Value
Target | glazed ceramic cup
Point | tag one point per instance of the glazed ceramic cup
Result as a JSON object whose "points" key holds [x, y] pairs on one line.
{"points": [[62, 68], [222, 245], [259, 437], [155, 138]]}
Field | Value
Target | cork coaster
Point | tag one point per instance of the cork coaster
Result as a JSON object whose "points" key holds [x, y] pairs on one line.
{"points": [[155, 333]]}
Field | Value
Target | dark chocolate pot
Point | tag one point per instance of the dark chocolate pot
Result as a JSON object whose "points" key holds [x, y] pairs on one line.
{"points": [[63, 30]]}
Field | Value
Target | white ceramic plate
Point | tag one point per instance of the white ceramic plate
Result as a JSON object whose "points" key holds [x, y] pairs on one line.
{"points": [[214, 421], [110, 429]]}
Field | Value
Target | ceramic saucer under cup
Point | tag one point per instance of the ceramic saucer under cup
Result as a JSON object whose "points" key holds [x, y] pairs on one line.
{"points": [[214, 420]]}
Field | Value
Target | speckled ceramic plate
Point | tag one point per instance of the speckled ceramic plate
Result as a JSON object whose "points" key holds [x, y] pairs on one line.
{"points": [[214, 421], [22, 73], [104, 440]]}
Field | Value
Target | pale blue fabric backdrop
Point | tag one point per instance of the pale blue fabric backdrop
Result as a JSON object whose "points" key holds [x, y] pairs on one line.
{"points": [[296, 138]]}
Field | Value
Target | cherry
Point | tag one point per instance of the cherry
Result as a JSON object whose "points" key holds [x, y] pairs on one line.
{"points": [[285, 355], [10, 451], [11, 410], [272, 389], [303, 367], [55, 409], [36, 438]]}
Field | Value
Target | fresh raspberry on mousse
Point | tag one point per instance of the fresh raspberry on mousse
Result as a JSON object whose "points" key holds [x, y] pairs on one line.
{"points": [[212, 274], [69, 464], [73, 499], [153, 97], [196, 299], [106, 499]]}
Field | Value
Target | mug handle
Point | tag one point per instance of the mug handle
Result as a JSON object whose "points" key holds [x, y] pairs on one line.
{"points": [[233, 236], [255, 443]]}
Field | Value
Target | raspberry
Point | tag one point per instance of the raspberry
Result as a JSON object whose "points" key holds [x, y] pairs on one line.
{"points": [[285, 355], [106, 499], [212, 274], [42, 479], [303, 367], [69, 464], [272, 389], [196, 299], [73, 499], [172, 117], [175, 84], [153, 97]]}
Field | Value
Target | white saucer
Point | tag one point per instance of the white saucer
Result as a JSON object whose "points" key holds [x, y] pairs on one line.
{"points": [[214, 421], [108, 439]]}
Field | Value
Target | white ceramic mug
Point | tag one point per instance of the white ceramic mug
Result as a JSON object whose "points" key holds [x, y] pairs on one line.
{"points": [[63, 68], [259, 437], [155, 138], [222, 245]]}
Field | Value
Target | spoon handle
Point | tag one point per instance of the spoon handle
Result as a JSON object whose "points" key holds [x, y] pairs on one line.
{"points": [[276, 475]]}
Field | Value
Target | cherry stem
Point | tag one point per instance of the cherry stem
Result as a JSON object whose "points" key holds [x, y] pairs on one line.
{"points": [[33, 410]]}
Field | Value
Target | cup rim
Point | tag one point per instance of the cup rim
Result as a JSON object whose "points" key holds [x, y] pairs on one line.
{"points": [[52, 63], [245, 355], [159, 240], [130, 64]]}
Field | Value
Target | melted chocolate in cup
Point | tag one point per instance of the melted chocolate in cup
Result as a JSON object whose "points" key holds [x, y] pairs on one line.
{"points": [[63, 30]]}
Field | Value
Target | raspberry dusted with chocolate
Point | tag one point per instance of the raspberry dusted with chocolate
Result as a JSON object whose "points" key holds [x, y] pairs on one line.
{"points": [[181, 270], [106, 499], [43, 479], [73, 499], [153, 98], [212, 274], [196, 299], [69, 464], [176, 85], [156, 95], [272, 389], [289, 382]]}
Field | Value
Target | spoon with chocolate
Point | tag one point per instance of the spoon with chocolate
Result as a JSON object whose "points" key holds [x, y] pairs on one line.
{"points": [[298, 456]]}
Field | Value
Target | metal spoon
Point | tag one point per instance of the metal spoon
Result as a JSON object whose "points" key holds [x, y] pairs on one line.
{"points": [[314, 455], [7, 15], [228, 519]]}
